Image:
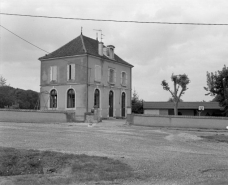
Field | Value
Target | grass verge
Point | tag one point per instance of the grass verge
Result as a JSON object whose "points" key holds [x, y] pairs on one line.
{"points": [[216, 138], [59, 168]]}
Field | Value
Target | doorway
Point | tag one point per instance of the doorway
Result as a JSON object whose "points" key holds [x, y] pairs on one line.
{"points": [[123, 104], [111, 104]]}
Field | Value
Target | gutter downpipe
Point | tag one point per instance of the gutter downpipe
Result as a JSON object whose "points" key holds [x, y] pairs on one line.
{"points": [[131, 89], [87, 107]]}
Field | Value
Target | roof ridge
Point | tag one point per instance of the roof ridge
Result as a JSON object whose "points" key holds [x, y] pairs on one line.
{"points": [[83, 44]]}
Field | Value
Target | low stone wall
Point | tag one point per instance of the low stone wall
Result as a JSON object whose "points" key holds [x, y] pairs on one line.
{"points": [[179, 121], [33, 116]]}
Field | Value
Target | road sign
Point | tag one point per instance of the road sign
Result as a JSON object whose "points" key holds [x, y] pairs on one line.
{"points": [[201, 108]]}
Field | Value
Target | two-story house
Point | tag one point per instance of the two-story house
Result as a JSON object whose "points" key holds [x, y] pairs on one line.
{"points": [[84, 74]]}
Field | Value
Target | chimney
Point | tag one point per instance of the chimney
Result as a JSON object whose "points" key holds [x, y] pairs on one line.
{"points": [[111, 51], [100, 48]]}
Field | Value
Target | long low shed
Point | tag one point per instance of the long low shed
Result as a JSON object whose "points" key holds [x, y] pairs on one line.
{"points": [[184, 108]]}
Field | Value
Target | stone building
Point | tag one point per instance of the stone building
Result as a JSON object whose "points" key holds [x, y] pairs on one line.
{"points": [[84, 74]]}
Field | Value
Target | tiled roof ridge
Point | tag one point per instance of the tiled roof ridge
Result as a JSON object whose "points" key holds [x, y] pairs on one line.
{"points": [[83, 44]]}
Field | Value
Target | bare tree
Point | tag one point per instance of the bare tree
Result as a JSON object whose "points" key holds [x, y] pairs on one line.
{"points": [[180, 83]]}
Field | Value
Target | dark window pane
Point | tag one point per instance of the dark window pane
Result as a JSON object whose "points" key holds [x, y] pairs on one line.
{"points": [[53, 99], [70, 98], [97, 98]]}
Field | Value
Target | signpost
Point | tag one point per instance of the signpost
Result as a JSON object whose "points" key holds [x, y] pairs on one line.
{"points": [[201, 109]]}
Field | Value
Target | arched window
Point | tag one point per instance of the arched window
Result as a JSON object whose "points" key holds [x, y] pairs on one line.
{"points": [[97, 98], [53, 99], [70, 98]]}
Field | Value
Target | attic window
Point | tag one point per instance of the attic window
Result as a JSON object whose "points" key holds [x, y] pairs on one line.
{"points": [[110, 51]]}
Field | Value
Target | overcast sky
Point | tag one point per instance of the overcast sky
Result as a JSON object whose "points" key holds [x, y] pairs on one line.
{"points": [[155, 50]]}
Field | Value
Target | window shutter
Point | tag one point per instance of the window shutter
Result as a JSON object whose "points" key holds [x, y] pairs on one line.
{"points": [[121, 78], [114, 76], [126, 79], [68, 72], [99, 73], [51, 73], [109, 75], [54, 71], [73, 71], [96, 73]]}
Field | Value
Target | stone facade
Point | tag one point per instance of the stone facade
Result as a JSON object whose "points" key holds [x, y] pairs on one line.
{"points": [[84, 74]]}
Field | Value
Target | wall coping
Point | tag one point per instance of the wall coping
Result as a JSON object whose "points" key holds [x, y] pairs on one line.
{"points": [[38, 111], [188, 117]]}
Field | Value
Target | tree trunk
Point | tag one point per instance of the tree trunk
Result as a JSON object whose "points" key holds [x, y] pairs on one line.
{"points": [[175, 109]]}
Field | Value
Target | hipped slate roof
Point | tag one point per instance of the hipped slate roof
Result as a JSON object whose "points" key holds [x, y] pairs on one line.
{"points": [[79, 46], [181, 105]]}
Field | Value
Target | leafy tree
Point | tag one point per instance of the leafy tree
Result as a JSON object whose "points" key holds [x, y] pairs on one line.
{"points": [[179, 81], [18, 98], [2, 81], [172, 100], [7, 97], [217, 85], [137, 104]]}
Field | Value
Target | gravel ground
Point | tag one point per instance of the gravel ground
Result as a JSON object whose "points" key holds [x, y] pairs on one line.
{"points": [[160, 155]]}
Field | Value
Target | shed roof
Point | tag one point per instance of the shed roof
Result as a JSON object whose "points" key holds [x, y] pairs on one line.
{"points": [[78, 46], [181, 105]]}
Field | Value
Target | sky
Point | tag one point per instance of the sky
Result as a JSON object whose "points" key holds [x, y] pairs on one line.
{"points": [[156, 51]]}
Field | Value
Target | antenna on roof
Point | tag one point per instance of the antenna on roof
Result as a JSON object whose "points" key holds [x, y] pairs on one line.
{"points": [[81, 30], [101, 36], [97, 34]]}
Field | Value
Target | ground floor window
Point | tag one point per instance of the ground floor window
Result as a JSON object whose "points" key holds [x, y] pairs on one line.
{"points": [[70, 98], [97, 98], [53, 99]]}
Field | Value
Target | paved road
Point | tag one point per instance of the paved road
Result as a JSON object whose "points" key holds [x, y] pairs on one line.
{"points": [[165, 156]]}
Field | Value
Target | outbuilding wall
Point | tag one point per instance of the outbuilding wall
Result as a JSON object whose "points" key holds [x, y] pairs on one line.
{"points": [[28, 116], [180, 121]]}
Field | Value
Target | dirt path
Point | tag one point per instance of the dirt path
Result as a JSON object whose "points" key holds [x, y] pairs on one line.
{"points": [[163, 156]]}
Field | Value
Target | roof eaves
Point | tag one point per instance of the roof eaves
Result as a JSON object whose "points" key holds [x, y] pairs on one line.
{"points": [[60, 57]]}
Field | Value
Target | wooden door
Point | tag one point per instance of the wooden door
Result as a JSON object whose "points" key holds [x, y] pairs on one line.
{"points": [[110, 104], [123, 104]]}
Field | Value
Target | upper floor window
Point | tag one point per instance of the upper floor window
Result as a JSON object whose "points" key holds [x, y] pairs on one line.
{"points": [[112, 76], [71, 72], [70, 98], [97, 73], [53, 99], [53, 73], [123, 78]]}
